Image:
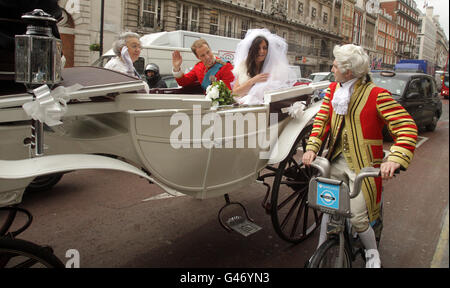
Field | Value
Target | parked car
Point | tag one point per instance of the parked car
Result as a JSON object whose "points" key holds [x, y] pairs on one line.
{"points": [[329, 77], [416, 92], [170, 81], [319, 76], [322, 76]]}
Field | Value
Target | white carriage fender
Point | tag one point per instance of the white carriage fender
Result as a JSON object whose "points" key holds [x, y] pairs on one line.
{"points": [[38, 166], [290, 133], [20, 173]]}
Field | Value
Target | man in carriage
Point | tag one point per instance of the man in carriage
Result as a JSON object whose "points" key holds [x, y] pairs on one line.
{"points": [[208, 70]]}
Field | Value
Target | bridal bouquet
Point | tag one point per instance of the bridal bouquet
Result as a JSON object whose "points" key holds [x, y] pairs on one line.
{"points": [[219, 94]]}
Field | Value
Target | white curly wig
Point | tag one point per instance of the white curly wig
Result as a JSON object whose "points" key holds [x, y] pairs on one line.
{"points": [[353, 58]]}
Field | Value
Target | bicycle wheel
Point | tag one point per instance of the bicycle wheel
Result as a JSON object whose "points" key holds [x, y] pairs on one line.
{"points": [[292, 218], [326, 256], [18, 253]]}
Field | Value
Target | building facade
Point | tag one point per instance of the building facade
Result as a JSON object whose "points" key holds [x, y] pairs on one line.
{"points": [[442, 47], [347, 15], [385, 42], [80, 29], [426, 39], [364, 27], [311, 27], [406, 16]]}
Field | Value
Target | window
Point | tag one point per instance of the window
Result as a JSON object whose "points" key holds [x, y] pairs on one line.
{"points": [[245, 25], [187, 17], [427, 88], [182, 16], [415, 87], [214, 22], [313, 12], [300, 8], [194, 19], [229, 26], [151, 13], [325, 18]]}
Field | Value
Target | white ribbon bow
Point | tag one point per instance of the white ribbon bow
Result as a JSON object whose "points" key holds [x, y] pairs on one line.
{"points": [[295, 110], [49, 106]]}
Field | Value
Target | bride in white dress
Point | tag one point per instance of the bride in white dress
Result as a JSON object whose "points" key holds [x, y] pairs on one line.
{"points": [[260, 65]]}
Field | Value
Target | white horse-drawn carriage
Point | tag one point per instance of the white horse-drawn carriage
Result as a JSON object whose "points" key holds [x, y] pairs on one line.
{"points": [[172, 137], [110, 125]]}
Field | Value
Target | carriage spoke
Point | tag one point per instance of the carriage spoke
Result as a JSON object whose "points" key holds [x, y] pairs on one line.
{"points": [[287, 200], [271, 168], [305, 174], [291, 210], [299, 216], [26, 264], [305, 219], [304, 144], [5, 258], [296, 165], [294, 182]]}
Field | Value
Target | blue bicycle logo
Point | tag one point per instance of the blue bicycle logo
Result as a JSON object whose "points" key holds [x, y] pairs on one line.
{"points": [[328, 195]]}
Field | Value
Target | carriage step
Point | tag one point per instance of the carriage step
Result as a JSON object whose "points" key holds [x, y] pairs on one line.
{"points": [[242, 225]]}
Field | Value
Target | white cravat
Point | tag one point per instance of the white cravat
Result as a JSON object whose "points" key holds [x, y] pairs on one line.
{"points": [[342, 95]]}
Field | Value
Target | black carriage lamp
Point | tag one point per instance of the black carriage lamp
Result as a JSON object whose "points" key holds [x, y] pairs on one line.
{"points": [[37, 62], [38, 52]]}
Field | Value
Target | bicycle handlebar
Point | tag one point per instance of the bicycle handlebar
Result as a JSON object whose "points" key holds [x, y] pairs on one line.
{"points": [[323, 165], [364, 173]]}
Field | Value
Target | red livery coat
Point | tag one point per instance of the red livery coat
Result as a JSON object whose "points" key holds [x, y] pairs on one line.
{"points": [[370, 108]]}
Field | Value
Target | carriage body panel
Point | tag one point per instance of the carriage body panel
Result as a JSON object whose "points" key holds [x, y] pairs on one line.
{"points": [[141, 128]]}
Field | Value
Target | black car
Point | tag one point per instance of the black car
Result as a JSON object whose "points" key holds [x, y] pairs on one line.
{"points": [[416, 92]]}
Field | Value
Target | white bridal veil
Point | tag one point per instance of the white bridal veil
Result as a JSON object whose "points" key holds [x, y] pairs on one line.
{"points": [[276, 64]]}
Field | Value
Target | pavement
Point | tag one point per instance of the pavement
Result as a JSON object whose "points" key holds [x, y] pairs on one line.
{"points": [[440, 258]]}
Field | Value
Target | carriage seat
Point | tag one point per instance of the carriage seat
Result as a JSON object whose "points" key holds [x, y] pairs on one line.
{"points": [[194, 88], [286, 97]]}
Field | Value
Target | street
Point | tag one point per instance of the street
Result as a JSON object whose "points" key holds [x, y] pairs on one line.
{"points": [[114, 219]]}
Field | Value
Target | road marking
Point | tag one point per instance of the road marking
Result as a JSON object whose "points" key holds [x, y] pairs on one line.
{"points": [[164, 195], [421, 141]]}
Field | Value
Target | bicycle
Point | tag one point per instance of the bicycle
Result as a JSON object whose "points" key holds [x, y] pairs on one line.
{"points": [[18, 253], [332, 197]]}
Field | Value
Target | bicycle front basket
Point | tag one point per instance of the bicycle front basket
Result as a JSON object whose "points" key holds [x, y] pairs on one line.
{"points": [[329, 196]]}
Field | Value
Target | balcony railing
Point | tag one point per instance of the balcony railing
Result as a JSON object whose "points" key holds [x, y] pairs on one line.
{"points": [[303, 50], [218, 32]]}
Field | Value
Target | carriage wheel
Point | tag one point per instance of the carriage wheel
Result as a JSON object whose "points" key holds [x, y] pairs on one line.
{"points": [[292, 219], [44, 183]]}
